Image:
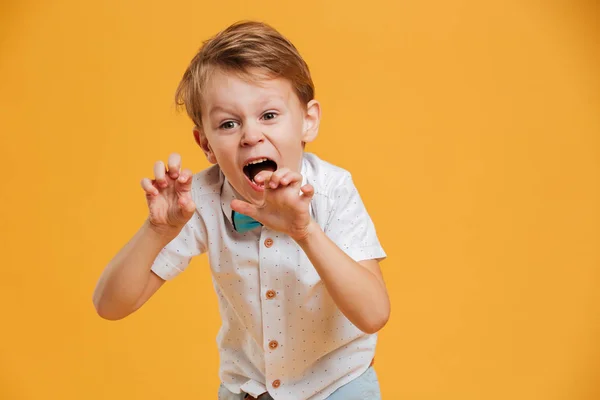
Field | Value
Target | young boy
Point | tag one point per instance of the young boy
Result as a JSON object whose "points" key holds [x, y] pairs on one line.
{"points": [[293, 253]]}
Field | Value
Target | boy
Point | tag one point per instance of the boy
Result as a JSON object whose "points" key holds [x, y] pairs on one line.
{"points": [[294, 256]]}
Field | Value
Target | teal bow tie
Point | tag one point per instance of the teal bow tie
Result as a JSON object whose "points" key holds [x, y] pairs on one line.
{"points": [[243, 223]]}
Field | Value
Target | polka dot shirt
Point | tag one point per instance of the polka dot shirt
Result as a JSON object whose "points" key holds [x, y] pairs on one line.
{"points": [[281, 331]]}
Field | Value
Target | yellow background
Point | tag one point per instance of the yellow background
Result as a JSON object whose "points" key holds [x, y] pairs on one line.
{"points": [[472, 130]]}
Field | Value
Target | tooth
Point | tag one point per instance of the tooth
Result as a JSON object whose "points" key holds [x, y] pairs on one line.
{"points": [[257, 161]]}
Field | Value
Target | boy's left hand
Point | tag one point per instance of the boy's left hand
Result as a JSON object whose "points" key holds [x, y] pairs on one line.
{"points": [[285, 204]]}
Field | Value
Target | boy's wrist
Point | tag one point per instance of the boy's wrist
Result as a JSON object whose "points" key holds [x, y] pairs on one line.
{"points": [[161, 233], [312, 229]]}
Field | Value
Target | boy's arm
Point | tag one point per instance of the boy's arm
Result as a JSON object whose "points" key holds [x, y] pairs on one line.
{"points": [[127, 282], [357, 288]]}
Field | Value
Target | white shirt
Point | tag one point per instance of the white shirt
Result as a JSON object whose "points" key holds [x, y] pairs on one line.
{"points": [[281, 330]]}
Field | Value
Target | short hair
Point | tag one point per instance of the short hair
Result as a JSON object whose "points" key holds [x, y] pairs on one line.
{"points": [[244, 46]]}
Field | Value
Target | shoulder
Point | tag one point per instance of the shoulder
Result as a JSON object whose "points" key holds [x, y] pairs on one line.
{"points": [[325, 177], [207, 182], [206, 193]]}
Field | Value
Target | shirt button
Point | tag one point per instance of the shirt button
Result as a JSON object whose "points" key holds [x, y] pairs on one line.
{"points": [[273, 344], [276, 383], [270, 294], [269, 242]]}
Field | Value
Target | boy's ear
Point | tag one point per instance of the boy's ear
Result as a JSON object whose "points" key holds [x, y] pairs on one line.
{"points": [[200, 138], [312, 118]]}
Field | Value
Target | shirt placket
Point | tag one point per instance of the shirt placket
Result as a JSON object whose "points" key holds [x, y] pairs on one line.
{"points": [[271, 245]]}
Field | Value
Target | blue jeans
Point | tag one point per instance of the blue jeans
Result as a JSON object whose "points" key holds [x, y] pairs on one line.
{"points": [[365, 387]]}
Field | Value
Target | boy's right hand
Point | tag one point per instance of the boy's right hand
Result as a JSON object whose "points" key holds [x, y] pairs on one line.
{"points": [[169, 198]]}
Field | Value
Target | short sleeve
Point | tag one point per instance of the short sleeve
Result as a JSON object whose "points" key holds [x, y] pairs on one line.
{"points": [[174, 258], [350, 226]]}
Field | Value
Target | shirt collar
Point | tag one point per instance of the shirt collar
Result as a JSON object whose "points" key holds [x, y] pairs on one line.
{"points": [[228, 193]]}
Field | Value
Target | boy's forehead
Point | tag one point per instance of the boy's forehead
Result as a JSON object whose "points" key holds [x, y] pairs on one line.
{"points": [[224, 88]]}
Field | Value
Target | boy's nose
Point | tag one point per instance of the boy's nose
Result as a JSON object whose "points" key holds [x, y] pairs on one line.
{"points": [[252, 136]]}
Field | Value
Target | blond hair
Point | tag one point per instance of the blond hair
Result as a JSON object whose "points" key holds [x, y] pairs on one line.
{"points": [[240, 48]]}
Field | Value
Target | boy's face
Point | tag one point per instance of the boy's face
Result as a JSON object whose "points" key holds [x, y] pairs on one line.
{"points": [[248, 127]]}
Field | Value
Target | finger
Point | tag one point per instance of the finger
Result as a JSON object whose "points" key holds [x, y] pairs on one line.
{"points": [[148, 187], [245, 208], [263, 176], [174, 164], [186, 204], [307, 192], [185, 180], [290, 178], [159, 174], [276, 177]]}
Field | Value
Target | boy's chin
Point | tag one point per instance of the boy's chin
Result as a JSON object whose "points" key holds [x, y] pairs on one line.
{"points": [[246, 193], [252, 196]]}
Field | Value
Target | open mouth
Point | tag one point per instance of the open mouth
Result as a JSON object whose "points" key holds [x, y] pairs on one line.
{"points": [[252, 168]]}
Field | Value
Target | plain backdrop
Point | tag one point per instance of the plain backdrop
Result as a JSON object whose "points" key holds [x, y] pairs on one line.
{"points": [[472, 130]]}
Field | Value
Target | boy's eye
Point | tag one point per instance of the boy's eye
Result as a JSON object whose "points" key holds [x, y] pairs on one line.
{"points": [[269, 115], [228, 125]]}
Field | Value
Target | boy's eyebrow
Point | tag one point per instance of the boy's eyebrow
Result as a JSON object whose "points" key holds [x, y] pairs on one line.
{"points": [[272, 100], [216, 109], [278, 100]]}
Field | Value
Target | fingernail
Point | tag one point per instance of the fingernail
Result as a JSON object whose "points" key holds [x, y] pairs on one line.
{"points": [[273, 184]]}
